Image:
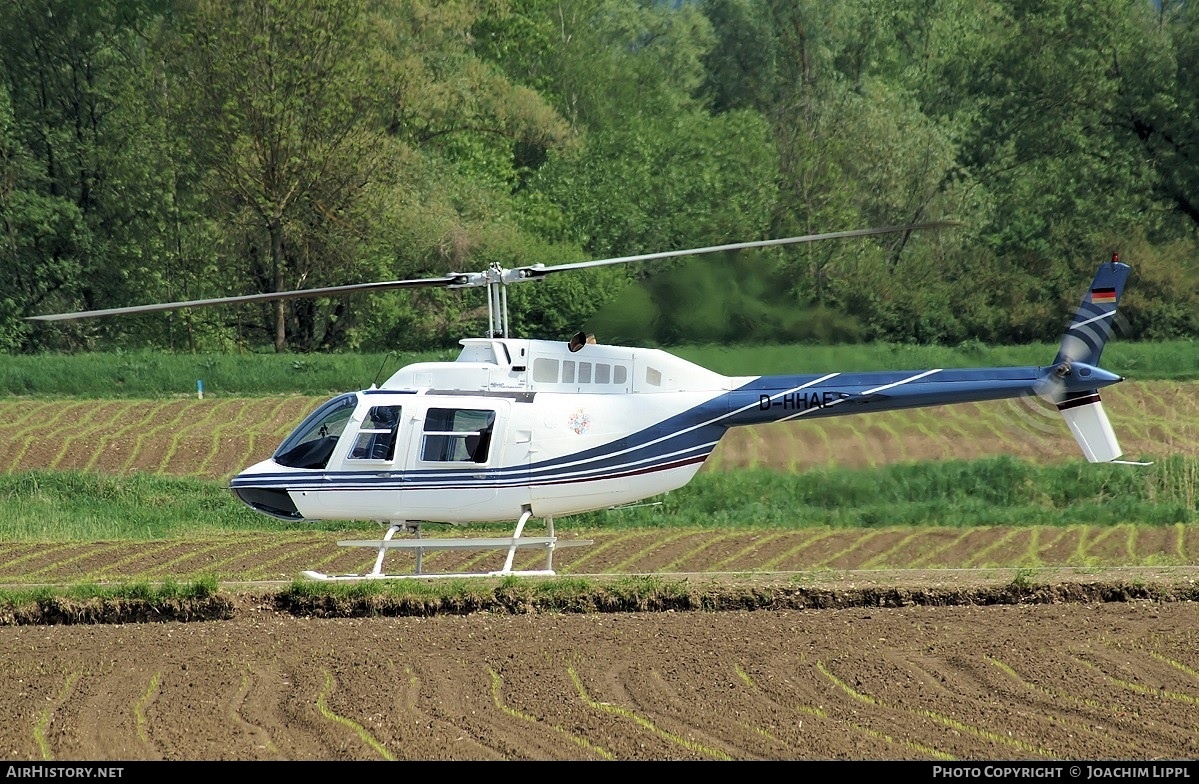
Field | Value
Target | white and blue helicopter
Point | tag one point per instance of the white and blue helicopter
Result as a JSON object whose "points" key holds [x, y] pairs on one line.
{"points": [[516, 429]]}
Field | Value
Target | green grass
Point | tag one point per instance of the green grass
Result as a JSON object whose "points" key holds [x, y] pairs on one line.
{"points": [[993, 491], [161, 374], [158, 374], [514, 594], [1176, 360], [167, 590], [56, 506], [79, 506], [411, 590]]}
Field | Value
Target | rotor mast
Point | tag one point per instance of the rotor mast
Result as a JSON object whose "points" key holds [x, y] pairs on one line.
{"points": [[497, 302]]}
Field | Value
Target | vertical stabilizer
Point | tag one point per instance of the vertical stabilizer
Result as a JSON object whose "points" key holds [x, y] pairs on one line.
{"points": [[1083, 343], [1091, 327], [1090, 427]]}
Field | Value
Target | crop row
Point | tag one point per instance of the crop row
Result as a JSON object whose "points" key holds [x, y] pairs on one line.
{"points": [[282, 556], [215, 438]]}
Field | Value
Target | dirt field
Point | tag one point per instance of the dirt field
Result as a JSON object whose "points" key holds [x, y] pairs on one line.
{"points": [[1086, 675], [1047, 682]]}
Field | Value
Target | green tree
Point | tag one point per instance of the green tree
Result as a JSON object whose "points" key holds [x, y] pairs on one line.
{"points": [[654, 169], [472, 133], [741, 67], [41, 241], [350, 141], [839, 86], [88, 193], [1051, 102], [276, 92]]}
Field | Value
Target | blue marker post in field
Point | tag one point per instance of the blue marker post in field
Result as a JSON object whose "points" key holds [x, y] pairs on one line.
{"points": [[200, 389]]}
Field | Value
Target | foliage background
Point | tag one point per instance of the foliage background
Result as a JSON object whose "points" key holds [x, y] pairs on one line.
{"points": [[162, 150]]}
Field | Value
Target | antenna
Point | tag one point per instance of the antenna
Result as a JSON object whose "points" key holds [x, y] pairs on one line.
{"points": [[378, 372]]}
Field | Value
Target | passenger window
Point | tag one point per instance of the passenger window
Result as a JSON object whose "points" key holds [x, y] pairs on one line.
{"points": [[620, 374], [377, 436], [602, 373], [457, 435], [584, 372], [568, 371], [545, 370]]}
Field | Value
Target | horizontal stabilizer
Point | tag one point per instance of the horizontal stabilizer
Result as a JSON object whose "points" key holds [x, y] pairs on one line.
{"points": [[1088, 423]]}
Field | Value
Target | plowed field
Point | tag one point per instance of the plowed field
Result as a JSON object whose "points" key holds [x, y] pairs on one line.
{"points": [[216, 437], [1105, 675]]}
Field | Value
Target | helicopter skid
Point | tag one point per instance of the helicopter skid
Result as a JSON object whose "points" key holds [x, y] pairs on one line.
{"points": [[420, 546], [321, 577]]}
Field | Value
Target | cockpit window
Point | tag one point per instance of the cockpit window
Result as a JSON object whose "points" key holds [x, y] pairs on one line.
{"points": [[311, 444]]}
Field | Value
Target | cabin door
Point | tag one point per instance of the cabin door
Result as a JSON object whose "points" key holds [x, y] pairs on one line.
{"points": [[454, 448]]}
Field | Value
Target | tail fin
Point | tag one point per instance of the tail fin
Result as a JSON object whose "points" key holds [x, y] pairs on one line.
{"points": [[1090, 427], [1083, 343], [1091, 327]]}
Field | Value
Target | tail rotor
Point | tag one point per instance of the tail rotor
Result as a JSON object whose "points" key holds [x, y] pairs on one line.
{"points": [[1074, 349], [1064, 383]]}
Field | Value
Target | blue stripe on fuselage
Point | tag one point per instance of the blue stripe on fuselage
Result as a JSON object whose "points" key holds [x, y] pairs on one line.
{"points": [[691, 435], [780, 398]]}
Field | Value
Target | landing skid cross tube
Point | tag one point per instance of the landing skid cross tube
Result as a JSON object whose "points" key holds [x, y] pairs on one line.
{"points": [[420, 545]]}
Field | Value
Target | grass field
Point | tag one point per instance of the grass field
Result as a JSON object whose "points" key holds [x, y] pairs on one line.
{"points": [[145, 374], [80, 474]]}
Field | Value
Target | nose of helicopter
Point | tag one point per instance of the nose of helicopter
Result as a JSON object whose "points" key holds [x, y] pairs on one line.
{"points": [[258, 488]]}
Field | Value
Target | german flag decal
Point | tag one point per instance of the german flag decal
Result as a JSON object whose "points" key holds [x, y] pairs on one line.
{"points": [[1103, 296]]}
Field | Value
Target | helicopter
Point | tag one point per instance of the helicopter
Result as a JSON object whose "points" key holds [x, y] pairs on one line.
{"points": [[518, 428]]}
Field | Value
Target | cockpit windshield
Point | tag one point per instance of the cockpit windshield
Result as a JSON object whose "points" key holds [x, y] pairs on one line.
{"points": [[311, 444]]}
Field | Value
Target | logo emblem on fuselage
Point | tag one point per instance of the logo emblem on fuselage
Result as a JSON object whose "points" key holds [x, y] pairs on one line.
{"points": [[580, 422]]}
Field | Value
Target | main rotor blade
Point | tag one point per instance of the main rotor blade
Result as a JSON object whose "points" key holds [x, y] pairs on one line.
{"points": [[198, 303], [538, 271], [472, 279]]}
